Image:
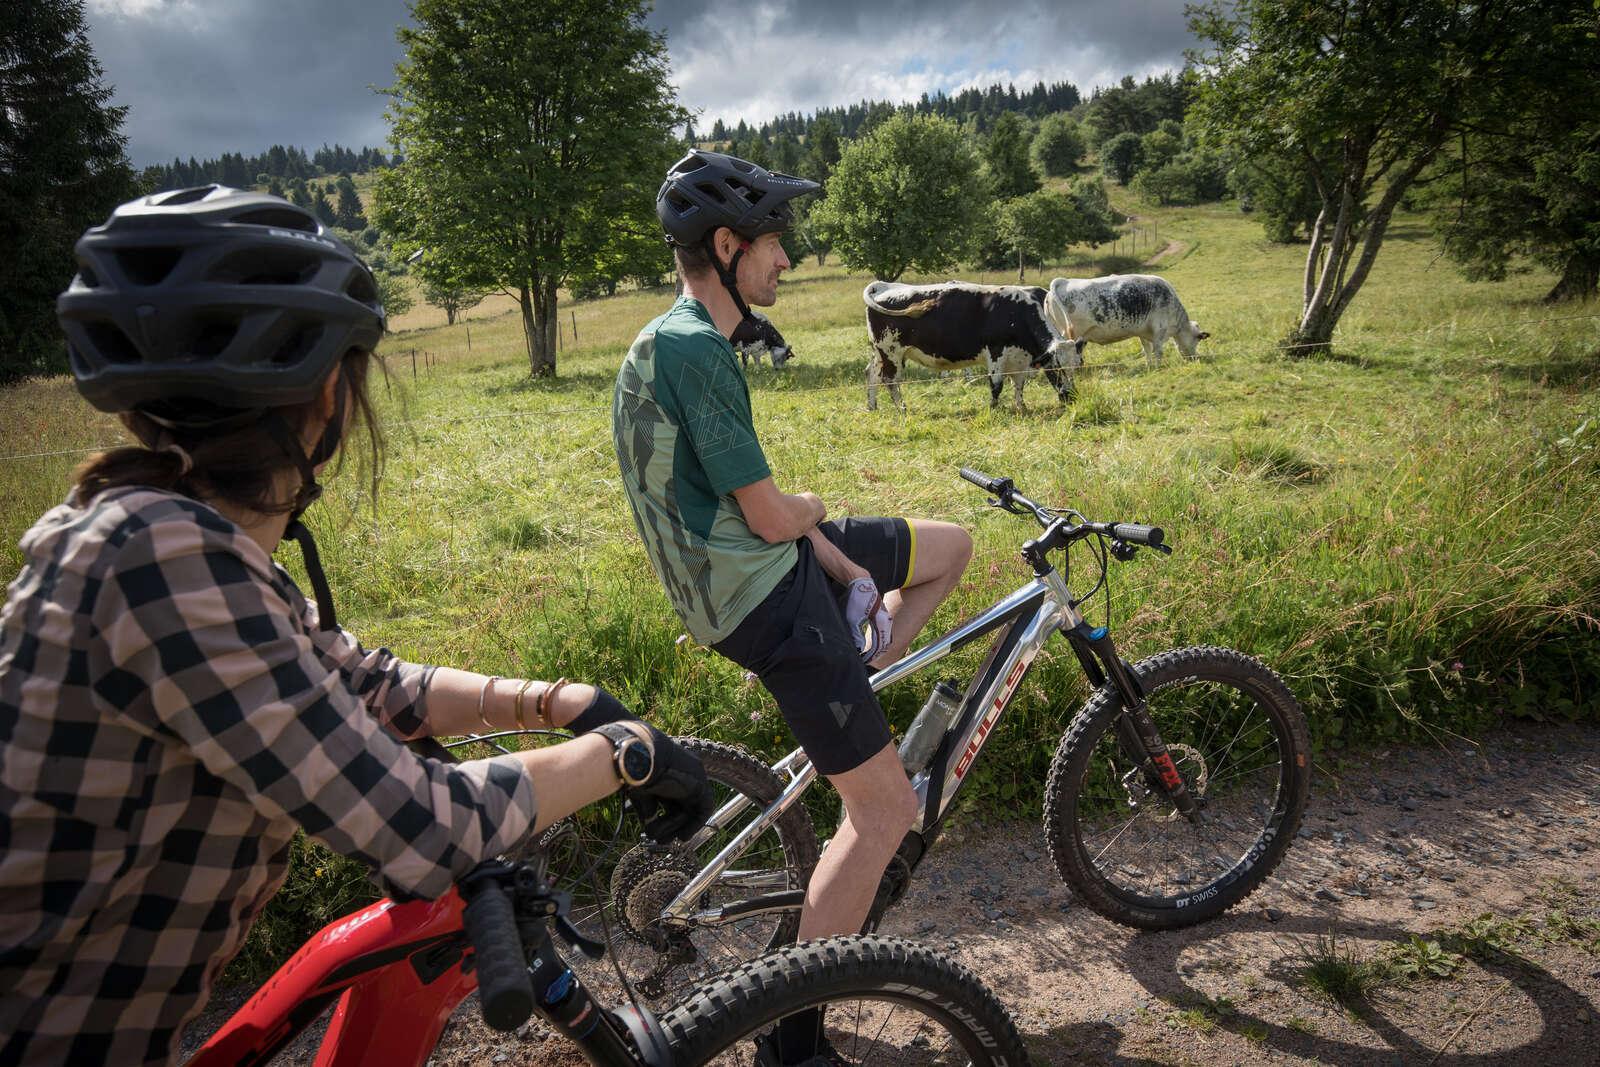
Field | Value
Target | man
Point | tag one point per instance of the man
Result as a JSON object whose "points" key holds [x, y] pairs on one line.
{"points": [[748, 567]]}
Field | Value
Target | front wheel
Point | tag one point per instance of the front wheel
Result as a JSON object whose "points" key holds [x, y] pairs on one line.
{"points": [[883, 1000], [1237, 736]]}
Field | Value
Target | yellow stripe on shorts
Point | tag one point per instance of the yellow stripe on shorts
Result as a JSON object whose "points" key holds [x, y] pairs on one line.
{"points": [[911, 554]]}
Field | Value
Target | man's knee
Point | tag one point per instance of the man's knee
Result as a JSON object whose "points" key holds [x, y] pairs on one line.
{"points": [[878, 797]]}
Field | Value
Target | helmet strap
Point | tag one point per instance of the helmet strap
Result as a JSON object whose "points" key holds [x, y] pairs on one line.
{"points": [[748, 328], [307, 495]]}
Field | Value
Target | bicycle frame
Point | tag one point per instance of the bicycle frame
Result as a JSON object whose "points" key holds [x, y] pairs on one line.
{"points": [[1029, 616], [395, 972]]}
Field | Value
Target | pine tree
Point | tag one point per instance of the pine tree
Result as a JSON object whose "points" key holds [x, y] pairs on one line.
{"points": [[63, 168]]}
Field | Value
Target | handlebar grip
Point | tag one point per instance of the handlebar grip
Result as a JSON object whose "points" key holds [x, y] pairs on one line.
{"points": [[504, 988], [979, 479], [1138, 534]]}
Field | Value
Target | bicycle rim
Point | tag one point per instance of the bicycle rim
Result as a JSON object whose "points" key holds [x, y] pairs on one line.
{"points": [[1236, 737]]}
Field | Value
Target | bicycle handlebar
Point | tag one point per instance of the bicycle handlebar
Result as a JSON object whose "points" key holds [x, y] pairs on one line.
{"points": [[1007, 497], [504, 986]]}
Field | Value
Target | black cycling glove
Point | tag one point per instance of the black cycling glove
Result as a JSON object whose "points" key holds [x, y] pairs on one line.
{"points": [[663, 781]]}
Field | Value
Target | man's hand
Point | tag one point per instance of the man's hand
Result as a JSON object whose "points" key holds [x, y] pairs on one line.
{"points": [[867, 618], [774, 516]]}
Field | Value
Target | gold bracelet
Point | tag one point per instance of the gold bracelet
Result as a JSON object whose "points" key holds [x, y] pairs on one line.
{"points": [[518, 705], [482, 695], [546, 698]]}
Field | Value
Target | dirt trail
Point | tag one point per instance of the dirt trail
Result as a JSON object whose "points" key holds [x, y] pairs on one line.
{"points": [[1410, 841]]}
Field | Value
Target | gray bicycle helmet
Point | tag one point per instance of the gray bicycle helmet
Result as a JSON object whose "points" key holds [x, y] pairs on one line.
{"points": [[705, 190], [210, 300]]}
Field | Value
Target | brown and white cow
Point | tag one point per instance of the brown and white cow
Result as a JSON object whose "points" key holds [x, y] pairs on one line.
{"points": [[955, 324], [1119, 306]]}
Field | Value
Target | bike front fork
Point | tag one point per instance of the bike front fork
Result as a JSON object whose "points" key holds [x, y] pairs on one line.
{"points": [[1137, 734]]}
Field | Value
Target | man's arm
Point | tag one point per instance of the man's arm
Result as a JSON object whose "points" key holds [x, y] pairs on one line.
{"points": [[835, 564], [774, 516]]}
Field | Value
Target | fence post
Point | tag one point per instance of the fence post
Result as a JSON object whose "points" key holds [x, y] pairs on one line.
{"points": [[413, 364], [574, 315], [468, 325]]}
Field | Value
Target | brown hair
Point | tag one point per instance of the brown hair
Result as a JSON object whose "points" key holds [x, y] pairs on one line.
{"points": [[240, 467], [692, 260]]}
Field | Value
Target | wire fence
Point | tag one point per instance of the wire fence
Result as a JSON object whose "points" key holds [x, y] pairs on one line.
{"points": [[425, 359]]}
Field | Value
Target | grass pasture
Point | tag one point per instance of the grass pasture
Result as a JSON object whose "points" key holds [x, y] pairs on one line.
{"points": [[1402, 528]]}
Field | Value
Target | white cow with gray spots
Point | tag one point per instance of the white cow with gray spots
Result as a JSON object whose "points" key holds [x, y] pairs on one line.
{"points": [[955, 324], [1119, 306]]}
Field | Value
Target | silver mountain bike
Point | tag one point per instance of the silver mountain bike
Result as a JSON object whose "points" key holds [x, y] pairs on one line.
{"points": [[1172, 793]]}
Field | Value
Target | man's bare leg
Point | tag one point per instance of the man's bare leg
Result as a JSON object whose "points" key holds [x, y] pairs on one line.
{"points": [[943, 551], [879, 808]]}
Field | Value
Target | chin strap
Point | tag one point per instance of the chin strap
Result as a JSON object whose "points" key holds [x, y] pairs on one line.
{"points": [[308, 493], [749, 329]]}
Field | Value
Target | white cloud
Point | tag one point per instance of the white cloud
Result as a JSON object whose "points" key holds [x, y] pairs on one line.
{"points": [[139, 9]]}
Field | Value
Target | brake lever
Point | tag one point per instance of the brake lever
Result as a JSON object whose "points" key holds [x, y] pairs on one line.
{"points": [[571, 935], [1123, 551]]}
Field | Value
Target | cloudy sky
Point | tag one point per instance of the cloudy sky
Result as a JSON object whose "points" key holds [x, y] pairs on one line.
{"points": [[203, 77]]}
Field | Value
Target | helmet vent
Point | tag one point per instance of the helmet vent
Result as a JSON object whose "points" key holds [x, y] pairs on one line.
{"points": [[297, 346], [267, 266], [285, 218], [713, 191], [361, 288], [148, 266], [212, 339], [186, 196], [111, 343], [88, 277]]}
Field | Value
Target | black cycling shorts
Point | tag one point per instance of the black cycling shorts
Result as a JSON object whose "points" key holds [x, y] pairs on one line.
{"points": [[797, 643]]}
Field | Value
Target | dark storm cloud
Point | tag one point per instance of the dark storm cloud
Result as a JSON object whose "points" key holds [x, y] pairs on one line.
{"points": [[211, 76], [761, 59], [202, 77]]}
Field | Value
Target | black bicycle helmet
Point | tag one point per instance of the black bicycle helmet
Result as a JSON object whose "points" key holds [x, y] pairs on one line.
{"points": [[213, 298], [206, 308], [705, 190]]}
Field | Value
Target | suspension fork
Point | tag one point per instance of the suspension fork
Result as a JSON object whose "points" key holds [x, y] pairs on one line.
{"points": [[1136, 728]]}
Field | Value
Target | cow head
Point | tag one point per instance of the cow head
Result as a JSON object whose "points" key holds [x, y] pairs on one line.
{"points": [[1188, 336], [780, 354]]}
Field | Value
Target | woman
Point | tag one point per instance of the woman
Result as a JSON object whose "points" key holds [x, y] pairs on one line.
{"points": [[172, 708]]}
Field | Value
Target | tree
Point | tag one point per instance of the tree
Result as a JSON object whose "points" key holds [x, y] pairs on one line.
{"points": [[298, 195], [392, 294], [349, 214], [1159, 147], [1058, 146], [1525, 185], [908, 194], [822, 150], [1364, 95], [62, 169], [1006, 158], [275, 187], [450, 297], [1036, 227], [1120, 157], [322, 209], [520, 120]]}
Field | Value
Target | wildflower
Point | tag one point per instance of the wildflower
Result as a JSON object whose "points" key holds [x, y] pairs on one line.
{"points": [[1458, 666]]}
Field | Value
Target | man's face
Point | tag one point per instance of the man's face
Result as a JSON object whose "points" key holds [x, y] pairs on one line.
{"points": [[759, 269]]}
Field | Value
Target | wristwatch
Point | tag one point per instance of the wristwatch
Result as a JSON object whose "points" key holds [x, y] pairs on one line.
{"points": [[632, 750]]}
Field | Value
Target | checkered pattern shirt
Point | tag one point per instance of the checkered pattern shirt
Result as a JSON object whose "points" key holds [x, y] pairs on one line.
{"points": [[169, 715]]}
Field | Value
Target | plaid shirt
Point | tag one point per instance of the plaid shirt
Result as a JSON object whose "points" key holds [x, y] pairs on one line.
{"points": [[169, 715]]}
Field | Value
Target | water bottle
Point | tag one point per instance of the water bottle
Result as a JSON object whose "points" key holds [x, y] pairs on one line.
{"points": [[927, 729]]}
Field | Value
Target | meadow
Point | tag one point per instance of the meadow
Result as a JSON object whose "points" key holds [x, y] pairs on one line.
{"points": [[1401, 528]]}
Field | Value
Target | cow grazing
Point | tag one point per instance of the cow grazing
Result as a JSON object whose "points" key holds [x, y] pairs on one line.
{"points": [[955, 324], [770, 342], [1120, 306]]}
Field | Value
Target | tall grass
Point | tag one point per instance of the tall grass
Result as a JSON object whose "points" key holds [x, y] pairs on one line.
{"points": [[1402, 529]]}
